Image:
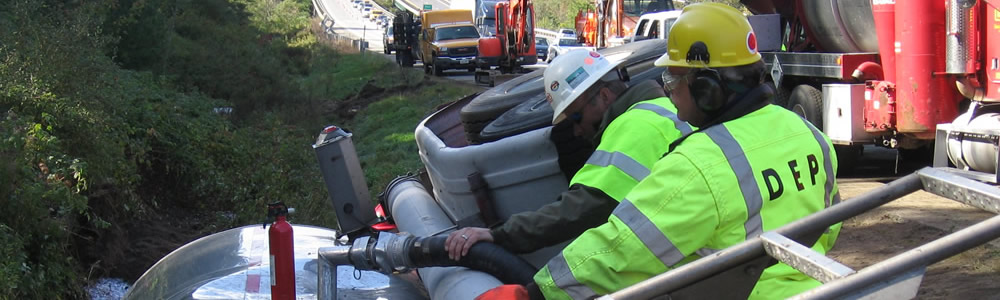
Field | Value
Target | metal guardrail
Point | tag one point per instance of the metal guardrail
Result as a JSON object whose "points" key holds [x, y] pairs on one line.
{"points": [[328, 22], [545, 33], [407, 5]]}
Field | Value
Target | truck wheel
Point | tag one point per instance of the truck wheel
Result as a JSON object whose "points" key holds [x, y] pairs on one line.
{"points": [[492, 103], [529, 115], [437, 69], [807, 101]]}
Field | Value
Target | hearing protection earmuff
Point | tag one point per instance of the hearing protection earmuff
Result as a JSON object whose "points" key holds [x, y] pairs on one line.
{"points": [[706, 88]]}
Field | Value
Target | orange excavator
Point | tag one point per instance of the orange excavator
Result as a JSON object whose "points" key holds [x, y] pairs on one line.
{"points": [[613, 20], [514, 44]]}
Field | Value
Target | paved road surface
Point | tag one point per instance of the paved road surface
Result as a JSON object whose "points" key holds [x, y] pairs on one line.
{"points": [[348, 22]]}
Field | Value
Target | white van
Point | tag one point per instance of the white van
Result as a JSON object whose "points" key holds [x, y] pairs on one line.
{"points": [[654, 25]]}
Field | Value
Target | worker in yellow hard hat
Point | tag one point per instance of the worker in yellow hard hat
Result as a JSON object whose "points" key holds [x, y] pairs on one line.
{"points": [[751, 167], [632, 125]]}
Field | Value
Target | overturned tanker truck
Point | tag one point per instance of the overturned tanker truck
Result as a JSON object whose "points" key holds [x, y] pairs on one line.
{"points": [[489, 156]]}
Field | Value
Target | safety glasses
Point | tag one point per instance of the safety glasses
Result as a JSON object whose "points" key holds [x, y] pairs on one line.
{"points": [[672, 81]]}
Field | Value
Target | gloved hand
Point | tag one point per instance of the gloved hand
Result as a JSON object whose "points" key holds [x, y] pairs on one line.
{"points": [[505, 292]]}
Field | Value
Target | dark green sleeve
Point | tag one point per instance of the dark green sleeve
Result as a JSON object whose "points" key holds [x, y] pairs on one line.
{"points": [[578, 209]]}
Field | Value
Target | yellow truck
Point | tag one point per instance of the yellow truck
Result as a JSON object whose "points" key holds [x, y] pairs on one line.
{"points": [[448, 40], [374, 15]]}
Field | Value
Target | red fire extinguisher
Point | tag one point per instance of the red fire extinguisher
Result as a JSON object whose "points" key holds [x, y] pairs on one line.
{"points": [[282, 252]]}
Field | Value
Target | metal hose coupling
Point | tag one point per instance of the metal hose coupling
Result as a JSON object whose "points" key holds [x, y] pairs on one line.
{"points": [[388, 253]]}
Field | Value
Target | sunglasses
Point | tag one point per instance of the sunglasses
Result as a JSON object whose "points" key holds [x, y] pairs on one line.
{"points": [[672, 81]]}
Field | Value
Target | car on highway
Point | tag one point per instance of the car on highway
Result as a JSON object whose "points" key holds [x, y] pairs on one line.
{"points": [[366, 12], [387, 40], [565, 32], [564, 45], [542, 48]]}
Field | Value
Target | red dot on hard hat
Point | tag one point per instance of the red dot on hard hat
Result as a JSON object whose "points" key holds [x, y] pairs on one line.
{"points": [[752, 42]]}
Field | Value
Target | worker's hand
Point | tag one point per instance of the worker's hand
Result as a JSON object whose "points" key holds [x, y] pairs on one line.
{"points": [[459, 241]]}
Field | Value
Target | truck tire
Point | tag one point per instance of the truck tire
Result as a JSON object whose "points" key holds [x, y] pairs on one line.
{"points": [[807, 102], [492, 103], [529, 115], [437, 69], [640, 55], [488, 106]]}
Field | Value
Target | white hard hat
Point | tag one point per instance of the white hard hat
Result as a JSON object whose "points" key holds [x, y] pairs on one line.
{"points": [[570, 74]]}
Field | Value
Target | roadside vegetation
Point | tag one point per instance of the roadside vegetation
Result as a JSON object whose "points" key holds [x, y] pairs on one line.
{"points": [[130, 127]]}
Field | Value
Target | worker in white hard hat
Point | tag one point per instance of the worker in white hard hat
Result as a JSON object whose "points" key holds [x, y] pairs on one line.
{"points": [[751, 167], [632, 127]]}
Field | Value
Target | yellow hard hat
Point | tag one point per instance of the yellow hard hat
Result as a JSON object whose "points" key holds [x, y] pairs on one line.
{"points": [[710, 35]]}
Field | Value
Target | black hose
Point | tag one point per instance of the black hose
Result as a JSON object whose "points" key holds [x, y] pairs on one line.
{"points": [[483, 256]]}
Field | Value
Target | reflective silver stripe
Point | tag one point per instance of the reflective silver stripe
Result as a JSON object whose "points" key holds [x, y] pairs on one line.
{"points": [[827, 166], [648, 233], [681, 126], [565, 280], [621, 161], [741, 167]]}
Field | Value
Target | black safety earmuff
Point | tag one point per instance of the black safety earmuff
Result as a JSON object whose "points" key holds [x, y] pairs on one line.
{"points": [[707, 91], [706, 88]]}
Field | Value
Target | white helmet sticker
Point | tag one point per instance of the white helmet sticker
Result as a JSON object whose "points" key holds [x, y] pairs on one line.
{"points": [[574, 79]]}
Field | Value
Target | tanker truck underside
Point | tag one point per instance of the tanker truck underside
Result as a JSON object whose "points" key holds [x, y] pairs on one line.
{"points": [[888, 73]]}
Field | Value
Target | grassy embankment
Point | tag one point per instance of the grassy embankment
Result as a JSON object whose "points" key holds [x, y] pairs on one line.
{"points": [[108, 129]]}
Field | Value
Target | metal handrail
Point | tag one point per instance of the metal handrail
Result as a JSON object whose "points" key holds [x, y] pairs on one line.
{"points": [[904, 269]]}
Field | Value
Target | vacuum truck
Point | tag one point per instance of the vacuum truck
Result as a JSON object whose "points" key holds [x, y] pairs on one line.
{"points": [[902, 75]]}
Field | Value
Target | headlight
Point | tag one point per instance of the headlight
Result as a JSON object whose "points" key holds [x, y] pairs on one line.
{"points": [[444, 49]]}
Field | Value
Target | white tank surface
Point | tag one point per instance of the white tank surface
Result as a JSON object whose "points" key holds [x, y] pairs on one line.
{"points": [[235, 264], [970, 152]]}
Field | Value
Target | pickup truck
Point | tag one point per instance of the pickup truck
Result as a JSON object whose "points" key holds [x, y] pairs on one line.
{"points": [[654, 25], [563, 45], [449, 40]]}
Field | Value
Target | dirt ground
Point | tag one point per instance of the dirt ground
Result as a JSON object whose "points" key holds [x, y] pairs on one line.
{"points": [[909, 222]]}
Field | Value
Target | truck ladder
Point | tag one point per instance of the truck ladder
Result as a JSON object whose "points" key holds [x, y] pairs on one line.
{"points": [[733, 272]]}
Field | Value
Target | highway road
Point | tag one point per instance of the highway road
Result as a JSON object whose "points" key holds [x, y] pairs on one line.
{"points": [[348, 22]]}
